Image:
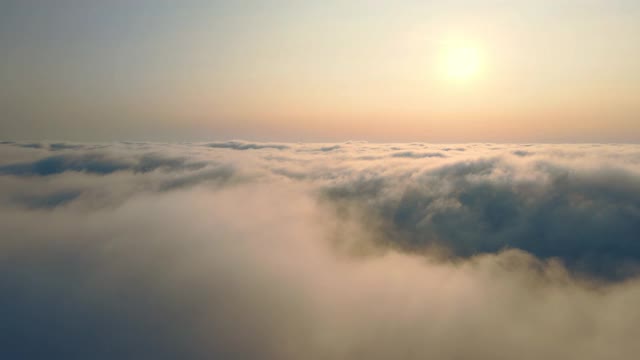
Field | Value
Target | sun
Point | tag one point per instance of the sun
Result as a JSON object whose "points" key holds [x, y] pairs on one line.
{"points": [[460, 62]]}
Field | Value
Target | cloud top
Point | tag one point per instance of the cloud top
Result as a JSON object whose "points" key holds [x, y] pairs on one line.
{"points": [[319, 251]]}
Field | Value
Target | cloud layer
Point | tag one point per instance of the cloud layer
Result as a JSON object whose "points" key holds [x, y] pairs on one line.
{"points": [[243, 250]]}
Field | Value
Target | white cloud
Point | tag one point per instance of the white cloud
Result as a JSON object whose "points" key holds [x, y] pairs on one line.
{"points": [[298, 252]]}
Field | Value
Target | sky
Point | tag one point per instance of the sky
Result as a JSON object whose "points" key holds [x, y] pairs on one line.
{"points": [[436, 71], [319, 179]]}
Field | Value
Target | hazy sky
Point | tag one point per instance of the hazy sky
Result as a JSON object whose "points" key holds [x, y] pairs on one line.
{"points": [[543, 70]]}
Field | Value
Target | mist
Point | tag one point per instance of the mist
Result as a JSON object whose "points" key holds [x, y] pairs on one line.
{"points": [[241, 250]]}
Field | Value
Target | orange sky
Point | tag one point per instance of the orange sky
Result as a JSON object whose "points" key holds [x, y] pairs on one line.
{"points": [[280, 70]]}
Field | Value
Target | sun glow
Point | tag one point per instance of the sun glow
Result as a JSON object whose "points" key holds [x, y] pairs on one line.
{"points": [[460, 62]]}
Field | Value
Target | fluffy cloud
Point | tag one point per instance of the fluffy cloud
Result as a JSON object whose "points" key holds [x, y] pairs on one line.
{"points": [[241, 145], [319, 251], [417, 155]]}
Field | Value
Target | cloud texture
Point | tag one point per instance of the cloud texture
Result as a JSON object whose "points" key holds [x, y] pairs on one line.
{"points": [[238, 250]]}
